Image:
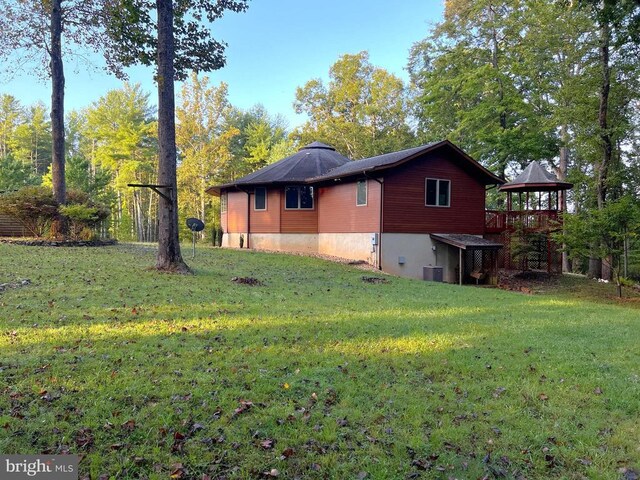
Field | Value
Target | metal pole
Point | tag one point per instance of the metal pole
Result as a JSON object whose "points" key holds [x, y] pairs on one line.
{"points": [[460, 266], [194, 244]]}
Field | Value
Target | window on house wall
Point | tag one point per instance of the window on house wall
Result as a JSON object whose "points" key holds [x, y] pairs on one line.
{"points": [[223, 201], [361, 193], [299, 197], [437, 192], [260, 198]]}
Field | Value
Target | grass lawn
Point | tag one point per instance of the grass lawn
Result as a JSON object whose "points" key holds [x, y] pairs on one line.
{"points": [[313, 374]]}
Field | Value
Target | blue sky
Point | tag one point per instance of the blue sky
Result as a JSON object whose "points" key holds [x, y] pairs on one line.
{"points": [[274, 47]]}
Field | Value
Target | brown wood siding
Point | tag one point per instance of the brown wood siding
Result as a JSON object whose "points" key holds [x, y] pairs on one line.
{"points": [[338, 212], [298, 221], [236, 212], [223, 222], [404, 199], [10, 227], [267, 221]]}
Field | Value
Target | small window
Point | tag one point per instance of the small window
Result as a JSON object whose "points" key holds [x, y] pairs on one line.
{"points": [[361, 193], [298, 198], [291, 197], [260, 198], [223, 202], [437, 192]]}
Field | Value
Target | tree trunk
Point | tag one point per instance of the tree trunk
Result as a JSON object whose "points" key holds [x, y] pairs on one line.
{"points": [[169, 257], [563, 167], [57, 104], [603, 111]]}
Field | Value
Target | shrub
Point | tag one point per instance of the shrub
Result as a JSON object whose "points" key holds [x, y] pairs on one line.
{"points": [[84, 216], [34, 207]]}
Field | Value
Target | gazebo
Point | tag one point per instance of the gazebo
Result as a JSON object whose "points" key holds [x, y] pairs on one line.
{"points": [[535, 201]]}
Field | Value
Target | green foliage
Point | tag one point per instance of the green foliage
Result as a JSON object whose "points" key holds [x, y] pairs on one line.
{"points": [[603, 232], [84, 217], [121, 133], [15, 174], [139, 372], [132, 31], [34, 207], [524, 244], [362, 112]]}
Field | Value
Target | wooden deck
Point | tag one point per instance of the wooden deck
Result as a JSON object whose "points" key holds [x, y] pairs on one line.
{"points": [[531, 220]]}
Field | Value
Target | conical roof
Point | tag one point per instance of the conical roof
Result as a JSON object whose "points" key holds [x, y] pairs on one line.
{"points": [[310, 161], [535, 178]]}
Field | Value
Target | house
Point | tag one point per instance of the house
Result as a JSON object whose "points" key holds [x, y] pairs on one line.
{"points": [[412, 213]]}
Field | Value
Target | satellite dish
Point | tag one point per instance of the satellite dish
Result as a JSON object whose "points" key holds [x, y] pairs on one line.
{"points": [[195, 224]]}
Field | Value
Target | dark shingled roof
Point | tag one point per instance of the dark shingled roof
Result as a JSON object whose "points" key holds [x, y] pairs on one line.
{"points": [[390, 160], [310, 161], [535, 178], [464, 241]]}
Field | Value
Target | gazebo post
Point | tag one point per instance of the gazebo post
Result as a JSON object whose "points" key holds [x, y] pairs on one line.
{"points": [[460, 266]]}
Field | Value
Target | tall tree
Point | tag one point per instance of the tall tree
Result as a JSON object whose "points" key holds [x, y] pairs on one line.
{"points": [[32, 37], [466, 89], [32, 143], [120, 138], [11, 113], [203, 138], [362, 111], [175, 42]]}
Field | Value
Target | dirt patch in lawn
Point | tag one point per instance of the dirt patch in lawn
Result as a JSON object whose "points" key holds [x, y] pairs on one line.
{"points": [[529, 282]]}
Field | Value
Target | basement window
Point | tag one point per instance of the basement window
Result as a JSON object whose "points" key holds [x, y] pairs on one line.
{"points": [[361, 193], [298, 198], [260, 198], [437, 192]]}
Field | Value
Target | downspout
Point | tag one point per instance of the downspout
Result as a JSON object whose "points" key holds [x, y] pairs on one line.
{"points": [[248, 215], [379, 260]]}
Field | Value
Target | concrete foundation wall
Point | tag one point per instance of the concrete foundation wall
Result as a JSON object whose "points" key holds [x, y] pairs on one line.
{"points": [[285, 242], [232, 240], [419, 251], [354, 246]]}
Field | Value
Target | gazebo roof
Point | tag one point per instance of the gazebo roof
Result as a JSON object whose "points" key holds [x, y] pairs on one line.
{"points": [[535, 178], [310, 161]]}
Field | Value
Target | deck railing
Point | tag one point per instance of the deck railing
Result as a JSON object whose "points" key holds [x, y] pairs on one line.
{"points": [[542, 220]]}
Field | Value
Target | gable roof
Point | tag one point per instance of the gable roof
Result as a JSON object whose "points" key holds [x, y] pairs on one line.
{"points": [[310, 161], [395, 159], [535, 178]]}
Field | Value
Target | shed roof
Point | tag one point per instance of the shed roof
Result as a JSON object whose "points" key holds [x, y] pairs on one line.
{"points": [[465, 241], [535, 178], [394, 159], [310, 161]]}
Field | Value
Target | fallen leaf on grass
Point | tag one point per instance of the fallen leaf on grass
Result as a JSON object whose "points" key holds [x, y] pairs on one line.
{"points": [[598, 391], [129, 425], [543, 396], [177, 471], [422, 464], [268, 443], [245, 405], [84, 438], [498, 391], [286, 453]]}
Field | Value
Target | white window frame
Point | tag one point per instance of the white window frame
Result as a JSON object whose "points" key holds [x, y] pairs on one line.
{"points": [[255, 198], [299, 189], [438, 180], [366, 192]]}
